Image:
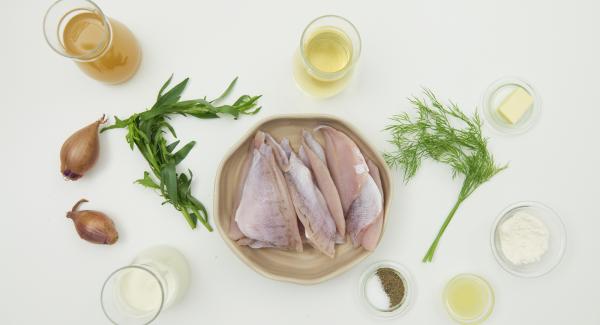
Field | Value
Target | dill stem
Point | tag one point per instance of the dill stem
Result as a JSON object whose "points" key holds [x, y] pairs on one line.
{"points": [[431, 251]]}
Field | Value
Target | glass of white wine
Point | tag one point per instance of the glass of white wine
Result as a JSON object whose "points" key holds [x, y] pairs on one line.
{"points": [[326, 58], [137, 293]]}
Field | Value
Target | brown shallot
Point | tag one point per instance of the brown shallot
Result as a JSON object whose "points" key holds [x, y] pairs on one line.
{"points": [[80, 152], [93, 226]]}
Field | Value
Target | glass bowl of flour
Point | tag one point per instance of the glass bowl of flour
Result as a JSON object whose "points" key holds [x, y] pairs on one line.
{"points": [[528, 239]]}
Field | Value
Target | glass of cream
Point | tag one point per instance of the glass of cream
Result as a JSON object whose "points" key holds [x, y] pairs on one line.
{"points": [[137, 293]]}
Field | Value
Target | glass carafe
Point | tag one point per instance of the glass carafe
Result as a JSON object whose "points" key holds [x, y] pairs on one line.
{"points": [[102, 47], [137, 293]]}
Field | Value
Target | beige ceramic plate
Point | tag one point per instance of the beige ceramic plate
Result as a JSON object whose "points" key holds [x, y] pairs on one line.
{"points": [[310, 266]]}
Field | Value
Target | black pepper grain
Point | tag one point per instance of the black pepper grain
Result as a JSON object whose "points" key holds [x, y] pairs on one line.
{"points": [[393, 285]]}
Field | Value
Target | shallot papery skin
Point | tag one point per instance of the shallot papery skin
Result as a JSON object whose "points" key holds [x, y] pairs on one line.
{"points": [[80, 151], [93, 226]]}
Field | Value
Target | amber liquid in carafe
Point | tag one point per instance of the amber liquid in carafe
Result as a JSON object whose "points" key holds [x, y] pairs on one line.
{"points": [[86, 33]]}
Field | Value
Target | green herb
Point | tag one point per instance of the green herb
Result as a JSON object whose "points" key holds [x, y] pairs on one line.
{"points": [[432, 134], [147, 130]]}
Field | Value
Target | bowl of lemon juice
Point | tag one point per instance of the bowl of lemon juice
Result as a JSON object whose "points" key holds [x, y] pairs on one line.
{"points": [[468, 298]]}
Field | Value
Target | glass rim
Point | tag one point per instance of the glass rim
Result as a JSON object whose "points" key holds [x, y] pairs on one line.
{"points": [[503, 128], [355, 57], [489, 308], [95, 53], [410, 289], [140, 267], [496, 250]]}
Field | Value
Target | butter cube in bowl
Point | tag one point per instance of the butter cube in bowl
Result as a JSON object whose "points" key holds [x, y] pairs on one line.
{"points": [[511, 106]]}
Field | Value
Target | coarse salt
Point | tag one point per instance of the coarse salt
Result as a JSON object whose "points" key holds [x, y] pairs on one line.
{"points": [[375, 293]]}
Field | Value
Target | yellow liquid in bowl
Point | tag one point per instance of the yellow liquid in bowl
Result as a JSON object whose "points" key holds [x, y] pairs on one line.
{"points": [[469, 298]]}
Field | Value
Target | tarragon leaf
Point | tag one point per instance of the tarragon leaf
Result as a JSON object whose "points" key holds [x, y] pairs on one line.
{"points": [[147, 181], [170, 97], [180, 155], [226, 92], [164, 86], [169, 182], [172, 146]]}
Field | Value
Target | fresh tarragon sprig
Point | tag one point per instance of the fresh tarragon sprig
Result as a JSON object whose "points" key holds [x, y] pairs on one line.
{"points": [[433, 133], [146, 131]]}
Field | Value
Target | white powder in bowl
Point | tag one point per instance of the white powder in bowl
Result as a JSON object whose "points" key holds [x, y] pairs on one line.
{"points": [[523, 238]]}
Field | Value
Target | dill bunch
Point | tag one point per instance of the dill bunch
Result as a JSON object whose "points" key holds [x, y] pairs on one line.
{"points": [[445, 134]]}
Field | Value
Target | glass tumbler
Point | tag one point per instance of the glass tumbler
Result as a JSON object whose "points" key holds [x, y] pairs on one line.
{"points": [[327, 55], [102, 47], [137, 293]]}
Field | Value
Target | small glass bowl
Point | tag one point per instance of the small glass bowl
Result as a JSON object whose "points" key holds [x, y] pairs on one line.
{"points": [[556, 245], [496, 93], [409, 290], [489, 308]]}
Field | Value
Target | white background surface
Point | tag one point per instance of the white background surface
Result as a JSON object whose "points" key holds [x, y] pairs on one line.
{"points": [[457, 48]]}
